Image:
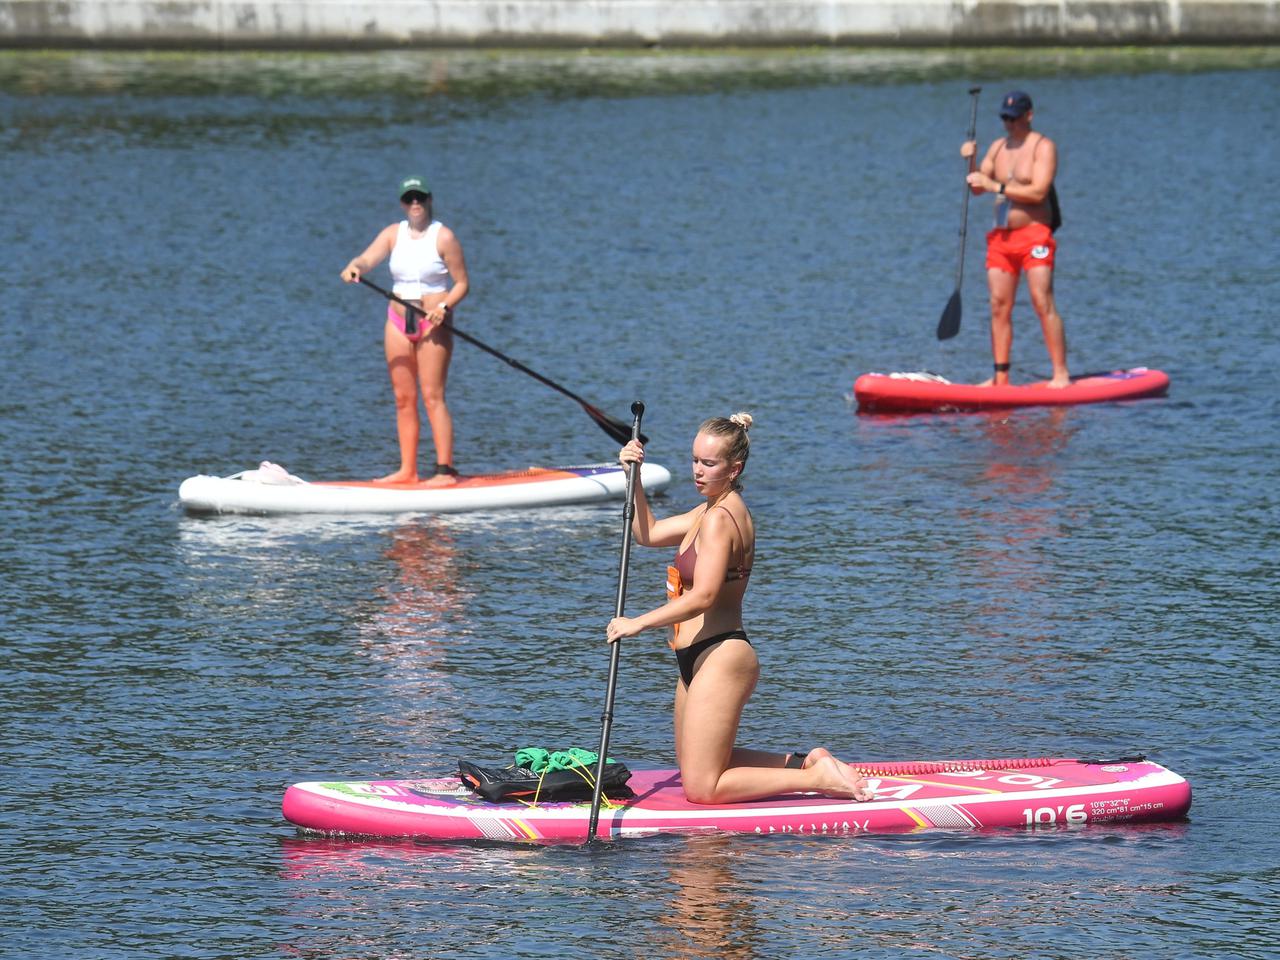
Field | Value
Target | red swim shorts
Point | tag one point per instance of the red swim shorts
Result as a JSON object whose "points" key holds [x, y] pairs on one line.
{"points": [[1022, 249]]}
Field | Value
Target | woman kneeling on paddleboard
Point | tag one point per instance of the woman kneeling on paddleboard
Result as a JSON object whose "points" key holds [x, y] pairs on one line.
{"points": [[718, 667], [428, 266]]}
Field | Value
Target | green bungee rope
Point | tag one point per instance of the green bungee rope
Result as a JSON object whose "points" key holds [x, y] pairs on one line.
{"points": [[539, 760]]}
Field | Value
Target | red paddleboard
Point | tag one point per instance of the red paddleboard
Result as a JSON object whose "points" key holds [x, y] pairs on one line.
{"points": [[930, 393]]}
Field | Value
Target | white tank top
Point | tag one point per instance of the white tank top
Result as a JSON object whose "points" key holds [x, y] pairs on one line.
{"points": [[416, 266]]}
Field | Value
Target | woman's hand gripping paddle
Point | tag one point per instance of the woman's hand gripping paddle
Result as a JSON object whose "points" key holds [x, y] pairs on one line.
{"points": [[615, 428], [615, 648], [949, 322]]}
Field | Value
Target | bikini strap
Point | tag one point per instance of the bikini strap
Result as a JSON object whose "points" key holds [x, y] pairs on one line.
{"points": [[694, 539], [742, 567], [720, 506]]}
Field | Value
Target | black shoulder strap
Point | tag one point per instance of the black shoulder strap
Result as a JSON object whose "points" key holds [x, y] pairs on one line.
{"points": [[1055, 211]]}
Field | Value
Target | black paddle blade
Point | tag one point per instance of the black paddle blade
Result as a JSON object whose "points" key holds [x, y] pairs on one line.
{"points": [[621, 432], [949, 322]]}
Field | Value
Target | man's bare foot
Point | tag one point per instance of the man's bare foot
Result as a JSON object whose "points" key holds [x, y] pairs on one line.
{"points": [[1060, 380], [442, 480], [838, 779], [990, 381], [400, 476]]}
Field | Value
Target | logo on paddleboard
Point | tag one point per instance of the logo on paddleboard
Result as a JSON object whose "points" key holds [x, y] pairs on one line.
{"points": [[1040, 251], [1115, 768]]}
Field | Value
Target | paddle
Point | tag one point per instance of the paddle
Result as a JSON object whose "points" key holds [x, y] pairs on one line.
{"points": [[610, 425], [606, 718], [949, 322]]}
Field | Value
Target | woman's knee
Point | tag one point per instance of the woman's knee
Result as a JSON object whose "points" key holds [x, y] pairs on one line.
{"points": [[699, 787], [406, 401], [433, 396]]}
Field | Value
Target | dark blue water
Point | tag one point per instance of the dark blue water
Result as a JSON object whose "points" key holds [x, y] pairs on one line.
{"points": [[706, 238]]}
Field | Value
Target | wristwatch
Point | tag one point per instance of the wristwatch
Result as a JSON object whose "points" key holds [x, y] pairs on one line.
{"points": [[1002, 186]]}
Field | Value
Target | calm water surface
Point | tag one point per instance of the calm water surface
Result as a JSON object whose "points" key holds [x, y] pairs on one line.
{"points": [[706, 234]]}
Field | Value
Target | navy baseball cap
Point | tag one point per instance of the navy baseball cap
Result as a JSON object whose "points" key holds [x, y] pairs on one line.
{"points": [[1014, 105]]}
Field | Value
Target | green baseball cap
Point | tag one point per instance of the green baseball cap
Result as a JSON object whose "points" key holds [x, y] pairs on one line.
{"points": [[414, 184]]}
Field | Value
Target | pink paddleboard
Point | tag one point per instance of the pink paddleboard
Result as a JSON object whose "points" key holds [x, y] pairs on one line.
{"points": [[949, 795]]}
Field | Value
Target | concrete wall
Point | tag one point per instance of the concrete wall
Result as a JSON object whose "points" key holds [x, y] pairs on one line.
{"points": [[221, 24]]}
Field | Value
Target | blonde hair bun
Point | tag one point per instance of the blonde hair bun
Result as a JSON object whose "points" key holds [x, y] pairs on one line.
{"points": [[732, 432]]}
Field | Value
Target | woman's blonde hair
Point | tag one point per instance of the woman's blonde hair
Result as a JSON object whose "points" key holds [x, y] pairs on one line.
{"points": [[733, 431]]}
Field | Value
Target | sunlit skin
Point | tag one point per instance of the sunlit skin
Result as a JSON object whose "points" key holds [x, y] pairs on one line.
{"points": [[421, 367], [708, 711], [1027, 183]]}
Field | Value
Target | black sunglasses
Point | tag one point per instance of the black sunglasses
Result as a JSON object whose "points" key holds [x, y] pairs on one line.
{"points": [[415, 197]]}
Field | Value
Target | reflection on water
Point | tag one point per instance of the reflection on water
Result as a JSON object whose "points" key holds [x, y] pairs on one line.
{"points": [[991, 543], [426, 591], [1017, 524], [712, 913], [704, 900], [306, 857], [249, 535], [418, 614], [738, 897], [1012, 504]]}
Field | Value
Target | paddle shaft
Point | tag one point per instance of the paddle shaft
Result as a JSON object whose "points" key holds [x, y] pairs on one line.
{"points": [[615, 428], [615, 652], [968, 192], [949, 323]]}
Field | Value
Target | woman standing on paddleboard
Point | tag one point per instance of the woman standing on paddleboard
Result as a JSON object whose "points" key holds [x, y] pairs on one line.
{"points": [[427, 265], [718, 666]]}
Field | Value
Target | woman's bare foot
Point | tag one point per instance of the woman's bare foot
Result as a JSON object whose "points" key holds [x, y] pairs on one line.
{"points": [[445, 475], [400, 476], [838, 779], [816, 754]]}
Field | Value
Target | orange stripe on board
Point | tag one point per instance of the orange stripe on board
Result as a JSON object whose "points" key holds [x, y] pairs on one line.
{"points": [[537, 475]]}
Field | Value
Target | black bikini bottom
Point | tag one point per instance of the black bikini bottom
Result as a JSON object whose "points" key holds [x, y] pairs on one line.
{"points": [[686, 657]]}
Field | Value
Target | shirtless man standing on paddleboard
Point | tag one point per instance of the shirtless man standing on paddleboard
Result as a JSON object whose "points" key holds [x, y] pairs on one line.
{"points": [[1019, 169]]}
